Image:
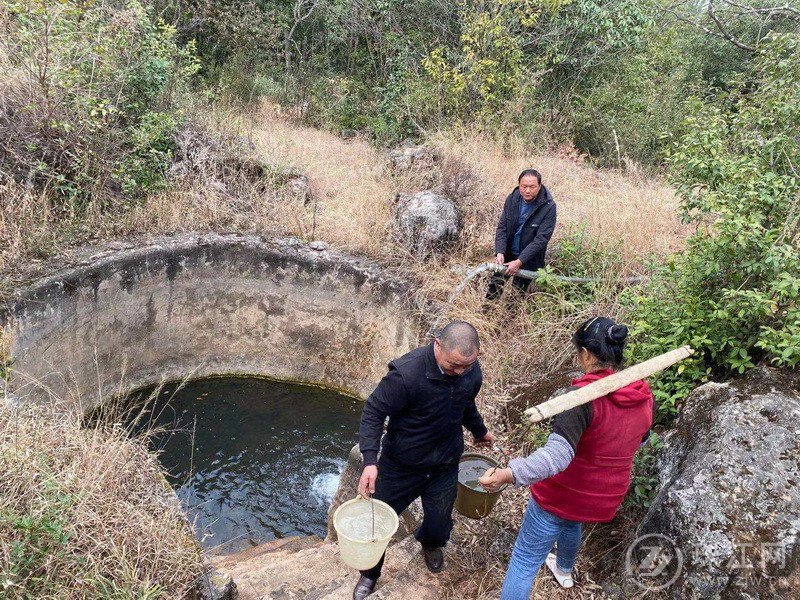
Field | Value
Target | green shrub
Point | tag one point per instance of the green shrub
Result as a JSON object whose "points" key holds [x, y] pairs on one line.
{"points": [[40, 538], [644, 477], [733, 293], [624, 110], [95, 94], [577, 254]]}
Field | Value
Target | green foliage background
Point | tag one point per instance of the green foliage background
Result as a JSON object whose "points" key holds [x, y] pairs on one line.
{"points": [[609, 76], [94, 96], [732, 295]]}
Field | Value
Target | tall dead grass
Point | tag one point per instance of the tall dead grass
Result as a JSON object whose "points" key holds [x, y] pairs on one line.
{"points": [[225, 189], [86, 512], [351, 183], [354, 192]]}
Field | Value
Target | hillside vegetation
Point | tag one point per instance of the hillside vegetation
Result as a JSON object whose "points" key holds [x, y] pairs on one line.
{"points": [[667, 132]]}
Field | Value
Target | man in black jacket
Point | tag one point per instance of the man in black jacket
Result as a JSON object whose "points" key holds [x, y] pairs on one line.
{"points": [[523, 231], [428, 395]]}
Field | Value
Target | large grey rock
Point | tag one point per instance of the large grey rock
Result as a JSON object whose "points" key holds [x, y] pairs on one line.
{"points": [[410, 520], [729, 496], [426, 222]]}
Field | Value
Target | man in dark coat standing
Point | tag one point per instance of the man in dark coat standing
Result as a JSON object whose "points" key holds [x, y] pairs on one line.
{"points": [[523, 231], [428, 396]]}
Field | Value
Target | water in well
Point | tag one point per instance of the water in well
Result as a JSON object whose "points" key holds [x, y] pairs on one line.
{"points": [[251, 459]]}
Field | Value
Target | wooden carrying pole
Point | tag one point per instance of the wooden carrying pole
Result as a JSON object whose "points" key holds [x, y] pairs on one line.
{"points": [[606, 385]]}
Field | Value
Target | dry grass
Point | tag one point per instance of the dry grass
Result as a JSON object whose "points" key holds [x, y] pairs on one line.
{"points": [[354, 198], [87, 513], [217, 194], [350, 179]]}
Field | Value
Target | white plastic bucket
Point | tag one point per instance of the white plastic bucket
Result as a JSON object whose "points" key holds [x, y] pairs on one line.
{"points": [[353, 523]]}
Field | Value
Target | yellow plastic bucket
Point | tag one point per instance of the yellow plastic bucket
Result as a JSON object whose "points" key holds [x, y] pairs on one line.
{"points": [[361, 544]]}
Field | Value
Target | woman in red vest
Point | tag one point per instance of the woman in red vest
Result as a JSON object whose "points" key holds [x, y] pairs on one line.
{"points": [[582, 473]]}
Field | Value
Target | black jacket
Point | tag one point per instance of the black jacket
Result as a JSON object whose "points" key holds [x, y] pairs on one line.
{"points": [[426, 411], [536, 234]]}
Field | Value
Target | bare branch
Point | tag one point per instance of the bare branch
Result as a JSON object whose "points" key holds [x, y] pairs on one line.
{"points": [[299, 17], [785, 10], [725, 33], [696, 24]]}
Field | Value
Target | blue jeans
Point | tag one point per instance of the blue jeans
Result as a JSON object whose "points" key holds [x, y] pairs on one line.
{"points": [[540, 529]]}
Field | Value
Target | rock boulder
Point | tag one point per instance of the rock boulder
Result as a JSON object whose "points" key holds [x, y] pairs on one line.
{"points": [[299, 187], [426, 222], [728, 497]]}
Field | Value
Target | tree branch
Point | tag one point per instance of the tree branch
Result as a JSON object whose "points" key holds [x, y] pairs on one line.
{"points": [[725, 33]]}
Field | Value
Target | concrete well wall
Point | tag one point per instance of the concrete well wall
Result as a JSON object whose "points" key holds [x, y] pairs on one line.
{"points": [[201, 305]]}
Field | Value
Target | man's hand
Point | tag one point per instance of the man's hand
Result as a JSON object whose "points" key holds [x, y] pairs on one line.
{"points": [[486, 440], [494, 479], [366, 485], [500, 259], [513, 267]]}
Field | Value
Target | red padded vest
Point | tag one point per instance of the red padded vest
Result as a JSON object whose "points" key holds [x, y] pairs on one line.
{"points": [[593, 486]]}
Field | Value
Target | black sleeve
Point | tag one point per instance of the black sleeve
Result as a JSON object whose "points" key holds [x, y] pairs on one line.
{"points": [[388, 398], [572, 423], [500, 234], [543, 235], [647, 433], [472, 419]]}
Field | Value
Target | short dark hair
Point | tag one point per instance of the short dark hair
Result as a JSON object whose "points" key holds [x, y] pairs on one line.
{"points": [[533, 172], [460, 335], [604, 338]]}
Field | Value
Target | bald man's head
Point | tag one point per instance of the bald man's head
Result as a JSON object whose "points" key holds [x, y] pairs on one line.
{"points": [[461, 336], [456, 348]]}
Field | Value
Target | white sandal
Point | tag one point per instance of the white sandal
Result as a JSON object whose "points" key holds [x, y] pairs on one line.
{"points": [[564, 581]]}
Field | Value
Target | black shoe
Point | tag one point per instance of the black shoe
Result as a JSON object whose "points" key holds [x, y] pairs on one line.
{"points": [[364, 588], [434, 559]]}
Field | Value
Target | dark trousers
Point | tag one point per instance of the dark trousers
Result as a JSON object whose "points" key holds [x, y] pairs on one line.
{"points": [[497, 281], [399, 486]]}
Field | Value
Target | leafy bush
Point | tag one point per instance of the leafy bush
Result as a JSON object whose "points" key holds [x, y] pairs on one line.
{"points": [[578, 254], [644, 478], [624, 110], [733, 294], [484, 72], [93, 96], [40, 537]]}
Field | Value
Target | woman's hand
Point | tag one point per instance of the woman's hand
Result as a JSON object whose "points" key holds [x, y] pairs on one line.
{"points": [[513, 266], [494, 479], [500, 259]]}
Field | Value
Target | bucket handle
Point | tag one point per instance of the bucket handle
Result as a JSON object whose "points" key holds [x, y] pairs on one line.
{"points": [[372, 510]]}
